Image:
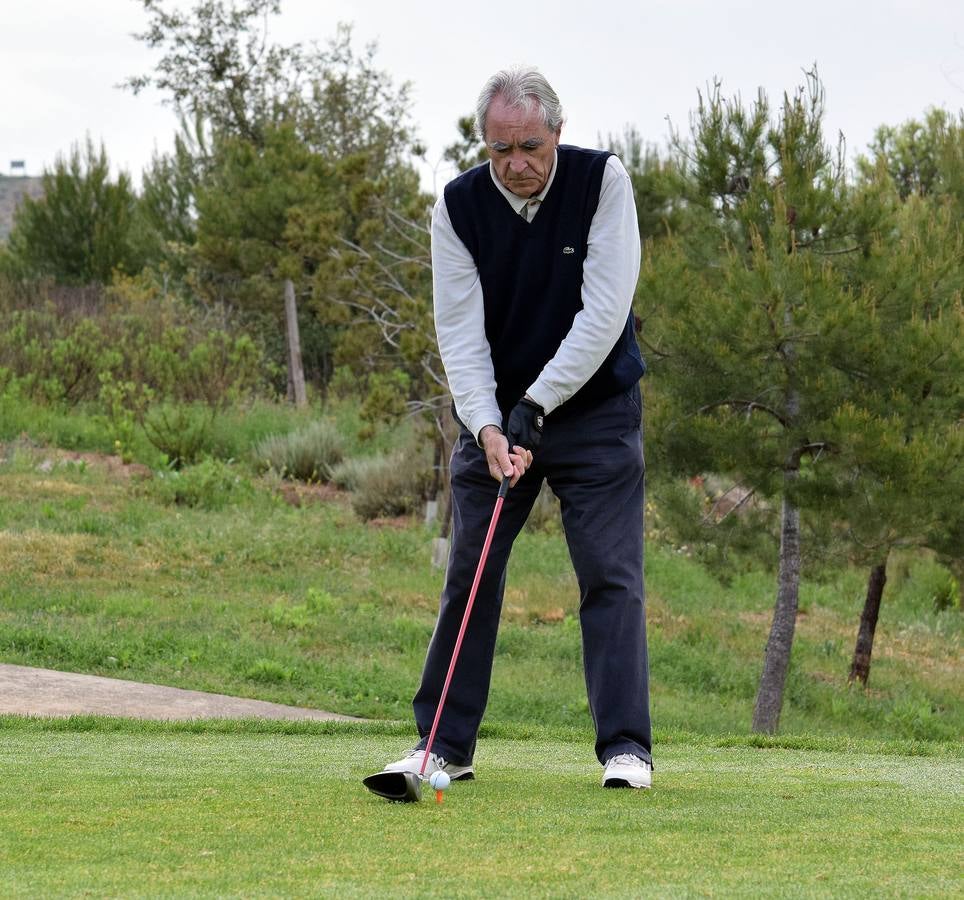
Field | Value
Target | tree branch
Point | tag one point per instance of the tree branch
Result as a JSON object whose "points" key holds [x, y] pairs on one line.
{"points": [[748, 406], [711, 514], [814, 449]]}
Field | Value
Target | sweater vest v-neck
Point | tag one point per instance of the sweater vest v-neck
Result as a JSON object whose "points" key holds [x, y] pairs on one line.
{"points": [[531, 276]]}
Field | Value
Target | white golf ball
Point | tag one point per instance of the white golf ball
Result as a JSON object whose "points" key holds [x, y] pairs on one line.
{"points": [[439, 780]]}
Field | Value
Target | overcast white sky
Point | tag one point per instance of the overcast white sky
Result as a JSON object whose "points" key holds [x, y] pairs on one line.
{"points": [[624, 62]]}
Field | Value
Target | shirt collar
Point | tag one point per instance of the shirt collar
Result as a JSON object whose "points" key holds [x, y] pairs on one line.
{"points": [[517, 202]]}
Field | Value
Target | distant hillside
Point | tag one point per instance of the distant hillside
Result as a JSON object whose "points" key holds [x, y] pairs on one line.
{"points": [[12, 191]]}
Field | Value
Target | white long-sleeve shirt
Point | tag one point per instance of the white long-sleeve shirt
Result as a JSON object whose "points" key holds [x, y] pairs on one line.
{"points": [[610, 272]]}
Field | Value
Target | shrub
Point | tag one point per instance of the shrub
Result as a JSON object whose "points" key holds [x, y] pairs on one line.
{"points": [[181, 433], [223, 368], [350, 473], [925, 586], [53, 362], [915, 718], [211, 485], [309, 454], [391, 485], [65, 345]]}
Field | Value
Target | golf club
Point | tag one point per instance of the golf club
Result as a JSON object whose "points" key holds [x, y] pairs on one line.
{"points": [[406, 787]]}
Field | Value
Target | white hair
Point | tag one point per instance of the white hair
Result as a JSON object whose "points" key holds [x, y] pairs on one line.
{"points": [[521, 87]]}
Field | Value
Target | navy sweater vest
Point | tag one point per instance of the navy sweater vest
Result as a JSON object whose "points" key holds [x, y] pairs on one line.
{"points": [[531, 275]]}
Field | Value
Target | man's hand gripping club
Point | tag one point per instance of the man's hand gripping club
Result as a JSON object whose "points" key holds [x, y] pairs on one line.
{"points": [[524, 435]]}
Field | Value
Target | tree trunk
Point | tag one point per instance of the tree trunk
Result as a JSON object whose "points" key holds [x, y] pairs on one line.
{"points": [[776, 661], [296, 372], [860, 667]]}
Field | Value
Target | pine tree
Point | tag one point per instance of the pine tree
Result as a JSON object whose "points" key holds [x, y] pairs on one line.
{"points": [[82, 228], [781, 335], [907, 474]]}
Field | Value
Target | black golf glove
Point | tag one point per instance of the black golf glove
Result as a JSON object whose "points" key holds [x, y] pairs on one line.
{"points": [[525, 424]]}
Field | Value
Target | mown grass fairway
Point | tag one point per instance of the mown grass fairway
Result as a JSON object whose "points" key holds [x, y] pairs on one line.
{"points": [[101, 809]]}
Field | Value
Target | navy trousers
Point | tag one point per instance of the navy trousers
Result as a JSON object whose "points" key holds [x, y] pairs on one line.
{"points": [[593, 461]]}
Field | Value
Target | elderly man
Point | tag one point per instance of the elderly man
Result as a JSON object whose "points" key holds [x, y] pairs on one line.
{"points": [[536, 257]]}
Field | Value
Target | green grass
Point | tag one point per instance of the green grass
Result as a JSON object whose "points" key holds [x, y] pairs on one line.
{"points": [[859, 794], [232, 434], [310, 606], [96, 807]]}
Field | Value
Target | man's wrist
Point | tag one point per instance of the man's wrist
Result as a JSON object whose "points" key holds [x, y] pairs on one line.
{"points": [[484, 430]]}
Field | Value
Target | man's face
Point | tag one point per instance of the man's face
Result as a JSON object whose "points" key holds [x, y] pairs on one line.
{"points": [[520, 146]]}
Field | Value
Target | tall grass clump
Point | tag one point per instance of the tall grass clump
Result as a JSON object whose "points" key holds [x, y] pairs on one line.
{"points": [[308, 454]]}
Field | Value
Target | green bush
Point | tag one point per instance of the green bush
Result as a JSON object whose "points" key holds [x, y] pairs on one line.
{"points": [[309, 454], [924, 585], [915, 718], [53, 362], [210, 485], [62, 345], [222, 368], [180, 432]]}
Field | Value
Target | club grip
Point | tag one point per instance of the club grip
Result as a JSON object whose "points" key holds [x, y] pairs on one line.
{"points": [[504, 488]]}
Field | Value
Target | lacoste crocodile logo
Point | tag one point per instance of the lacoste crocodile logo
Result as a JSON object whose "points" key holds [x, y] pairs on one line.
{"points": [[568, 250]]}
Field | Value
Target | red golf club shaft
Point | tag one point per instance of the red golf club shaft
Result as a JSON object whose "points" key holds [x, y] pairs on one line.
{"points": [[503, 490]]}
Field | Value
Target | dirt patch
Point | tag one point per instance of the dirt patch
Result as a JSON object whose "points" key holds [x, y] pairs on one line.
{"points": [[397, 522], [297, 493], [50, 458], [113, 465]]}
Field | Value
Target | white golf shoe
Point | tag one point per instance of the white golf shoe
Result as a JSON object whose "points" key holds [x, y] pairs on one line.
{"points": [[412, 762], [627, 770]]}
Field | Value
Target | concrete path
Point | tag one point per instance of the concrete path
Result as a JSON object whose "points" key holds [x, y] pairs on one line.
{"points": [[44, 692]]}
